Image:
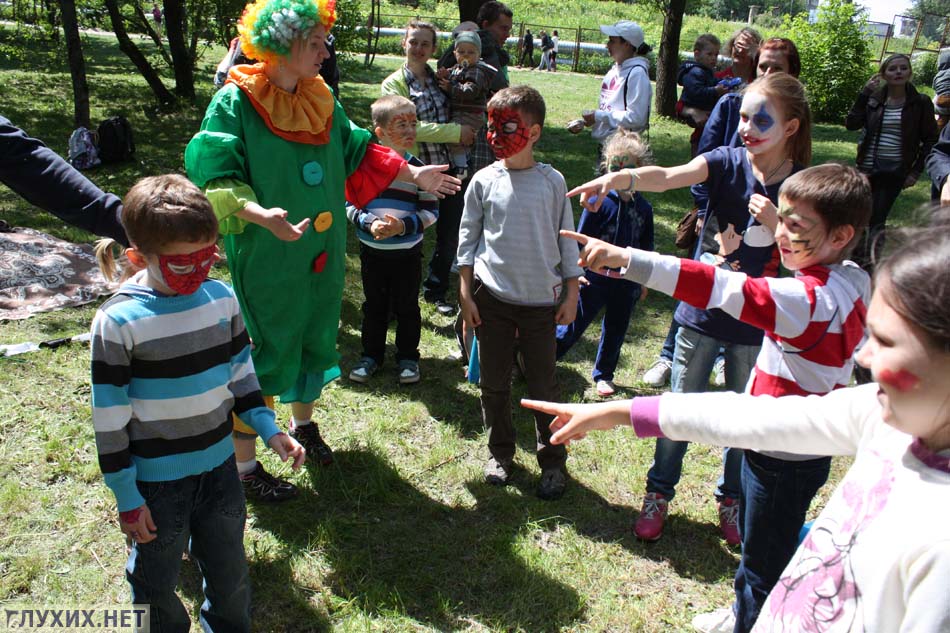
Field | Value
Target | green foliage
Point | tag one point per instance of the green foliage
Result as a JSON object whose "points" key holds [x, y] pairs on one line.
{"points": [[835, 51], [933, 13], [925, 68], [349, 17], [31, 44]]}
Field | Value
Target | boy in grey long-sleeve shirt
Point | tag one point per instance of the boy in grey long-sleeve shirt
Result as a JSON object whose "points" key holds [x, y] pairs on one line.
{"points": [[519, 278]]}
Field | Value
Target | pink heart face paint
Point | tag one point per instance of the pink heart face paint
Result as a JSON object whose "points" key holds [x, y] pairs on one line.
{"points": [[760, 124], [506, 133], [902, 380]]}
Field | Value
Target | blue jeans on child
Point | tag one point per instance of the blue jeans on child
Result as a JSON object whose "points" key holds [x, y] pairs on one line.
{"points": [[204, 514], [775, 497], [693, 360], [620, 297]]}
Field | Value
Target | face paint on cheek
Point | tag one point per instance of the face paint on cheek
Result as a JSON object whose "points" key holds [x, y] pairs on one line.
{"points": [[403, 127], [759, 123], [902, 380], [616, 163], [807, 238], [506, 134], [185, 273], [763, 120]]}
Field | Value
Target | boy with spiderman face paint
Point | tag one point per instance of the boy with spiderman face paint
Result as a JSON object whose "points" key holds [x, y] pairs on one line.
{"points": [[517, 276]]}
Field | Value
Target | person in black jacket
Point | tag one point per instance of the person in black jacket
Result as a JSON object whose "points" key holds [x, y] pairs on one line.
{"points": [[527, 50], [938, 166], [898, 130], [44, 179]]}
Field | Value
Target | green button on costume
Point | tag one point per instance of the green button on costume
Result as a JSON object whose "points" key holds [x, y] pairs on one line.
{"points": [[290, 292]]}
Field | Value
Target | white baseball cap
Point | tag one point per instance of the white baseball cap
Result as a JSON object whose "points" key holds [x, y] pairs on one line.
{"points": [[626, 29]]}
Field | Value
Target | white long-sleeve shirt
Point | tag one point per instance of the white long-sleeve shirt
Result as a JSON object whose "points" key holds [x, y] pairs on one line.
{"points": [[619, 107], [877, 559]]}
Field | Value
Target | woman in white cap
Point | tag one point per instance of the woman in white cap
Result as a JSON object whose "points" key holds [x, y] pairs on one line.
{"points": [[625, 93]]}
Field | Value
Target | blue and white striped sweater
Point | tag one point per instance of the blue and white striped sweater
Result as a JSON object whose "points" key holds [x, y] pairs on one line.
{"points": [[403, 200], [166, 374]]}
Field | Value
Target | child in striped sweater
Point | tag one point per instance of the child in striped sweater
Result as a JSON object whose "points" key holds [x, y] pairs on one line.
{"points": [[390, 232], [813, 322], [170, 361]]}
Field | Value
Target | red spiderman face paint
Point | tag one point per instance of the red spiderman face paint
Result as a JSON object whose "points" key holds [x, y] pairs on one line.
{"points": [[185, 273], [507, 133]]}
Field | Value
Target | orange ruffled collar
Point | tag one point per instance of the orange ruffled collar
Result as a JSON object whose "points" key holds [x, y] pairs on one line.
{"points": [[305, 116]]}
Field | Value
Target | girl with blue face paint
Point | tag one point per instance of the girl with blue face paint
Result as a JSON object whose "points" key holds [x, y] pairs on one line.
{"points": [[743, 183]]}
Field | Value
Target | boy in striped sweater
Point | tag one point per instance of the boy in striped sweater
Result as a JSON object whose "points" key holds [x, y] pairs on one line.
{"points": [[390, 233], [170, 361], [812, 321]]}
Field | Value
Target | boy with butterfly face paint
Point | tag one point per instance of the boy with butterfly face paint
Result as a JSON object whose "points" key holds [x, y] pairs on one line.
{"points": [[812, 323], [518, 276]]}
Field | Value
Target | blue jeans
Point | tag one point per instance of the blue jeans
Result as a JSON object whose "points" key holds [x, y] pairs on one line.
{"points": [[619, 296], [669, 343], [205, 514], [693, 359], [775, 497]]}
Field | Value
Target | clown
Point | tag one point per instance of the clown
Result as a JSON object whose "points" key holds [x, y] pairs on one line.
{"points": [[273, 153]]}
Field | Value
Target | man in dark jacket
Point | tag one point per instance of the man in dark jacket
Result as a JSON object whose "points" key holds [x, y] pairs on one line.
{"points": [[527, 50], [494, 22], [41, 177]]}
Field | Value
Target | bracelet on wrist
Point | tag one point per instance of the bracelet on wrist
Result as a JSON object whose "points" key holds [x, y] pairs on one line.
{"points": [[632, 188]]}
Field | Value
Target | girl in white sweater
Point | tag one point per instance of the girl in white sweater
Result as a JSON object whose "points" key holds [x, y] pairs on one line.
{"points": [[877, 558]]}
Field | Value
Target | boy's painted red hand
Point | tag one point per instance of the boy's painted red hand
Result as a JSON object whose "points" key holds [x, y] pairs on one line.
{"points": [[137, 525]]}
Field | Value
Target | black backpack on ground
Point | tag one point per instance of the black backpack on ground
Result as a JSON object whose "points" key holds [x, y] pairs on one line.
{"points": [[115, 140]]}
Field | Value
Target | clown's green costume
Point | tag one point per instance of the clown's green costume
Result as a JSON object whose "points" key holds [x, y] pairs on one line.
{"points": [[294, 151]]}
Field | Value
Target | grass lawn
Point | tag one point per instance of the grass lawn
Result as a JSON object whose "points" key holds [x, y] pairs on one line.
{"points": [[401, 534]]}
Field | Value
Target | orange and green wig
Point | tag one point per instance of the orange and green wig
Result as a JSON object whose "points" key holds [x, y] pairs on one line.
{"points": [[268, 28]]}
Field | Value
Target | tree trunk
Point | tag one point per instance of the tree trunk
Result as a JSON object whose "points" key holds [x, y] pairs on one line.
{"points": [[135, 55], [51, 19], [468, 9], [182, 60], [667, 60], [146, 22], [77, 63]]}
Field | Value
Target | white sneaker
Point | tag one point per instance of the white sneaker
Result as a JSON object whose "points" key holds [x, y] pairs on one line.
{"points": [[605, 388], [718, 621], [719, 372], [659, 373]]}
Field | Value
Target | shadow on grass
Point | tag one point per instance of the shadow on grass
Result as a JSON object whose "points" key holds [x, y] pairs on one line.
{"points": [[278, 603], [391, 549]]}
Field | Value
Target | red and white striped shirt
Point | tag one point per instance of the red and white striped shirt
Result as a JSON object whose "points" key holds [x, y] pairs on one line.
{"points": [[812, 322]]}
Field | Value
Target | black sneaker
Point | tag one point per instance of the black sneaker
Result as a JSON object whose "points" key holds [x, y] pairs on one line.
{"points": [[261, 485], [497, 473], [552, 485], [309, 437]]}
